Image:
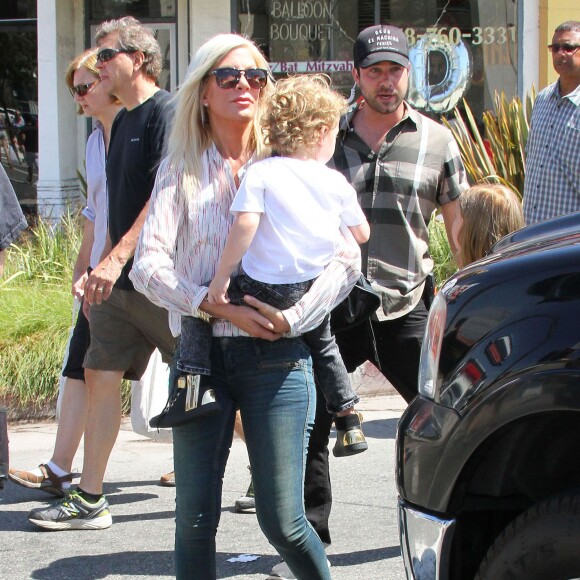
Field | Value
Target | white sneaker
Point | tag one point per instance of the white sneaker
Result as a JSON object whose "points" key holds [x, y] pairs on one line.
{"points": [[282, 571]]}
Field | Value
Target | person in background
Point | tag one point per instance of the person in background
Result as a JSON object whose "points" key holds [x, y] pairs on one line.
{"points": [[4, 140], [214, 139], [93, 100], [12, 220], [552, 179], [16, 127], [29, 143], [125, 327], [403, 166], [488, 213]]}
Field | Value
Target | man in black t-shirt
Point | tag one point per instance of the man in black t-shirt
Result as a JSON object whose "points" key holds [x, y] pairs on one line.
{"points": [[125, 327]]}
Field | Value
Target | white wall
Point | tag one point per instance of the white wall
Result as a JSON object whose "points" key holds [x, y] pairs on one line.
{"points": [[208, 18], [58, 186], [529, 46]]}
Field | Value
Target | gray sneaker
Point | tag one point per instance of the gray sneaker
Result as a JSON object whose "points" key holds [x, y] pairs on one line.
{"points": [[73, 513], [246, 504], [282, 571]]}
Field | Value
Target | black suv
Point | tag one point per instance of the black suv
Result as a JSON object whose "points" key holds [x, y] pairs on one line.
{"points": [[488, 454]]}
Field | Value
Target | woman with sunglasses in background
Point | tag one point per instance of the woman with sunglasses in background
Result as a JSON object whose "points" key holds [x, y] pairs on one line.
{"points": [[215, 137], [82, 79]]}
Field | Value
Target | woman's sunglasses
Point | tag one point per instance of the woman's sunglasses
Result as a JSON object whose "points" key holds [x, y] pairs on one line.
{"points": [[82, 90], [228, 78], [106, 54]]}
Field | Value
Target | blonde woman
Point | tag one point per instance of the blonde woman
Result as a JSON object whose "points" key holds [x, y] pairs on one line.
{"points": [[215, 138], [488, 213], [82, 79]]}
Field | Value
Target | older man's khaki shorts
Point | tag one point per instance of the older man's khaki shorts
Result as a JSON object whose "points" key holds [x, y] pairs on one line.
{"points": [[125, 330]]}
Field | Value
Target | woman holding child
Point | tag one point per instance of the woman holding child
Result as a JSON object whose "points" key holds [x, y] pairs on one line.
{"points": [[215, 138]]}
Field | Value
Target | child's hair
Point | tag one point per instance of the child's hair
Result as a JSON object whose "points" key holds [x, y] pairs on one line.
{"points": [[298, 110], [489, 212]]}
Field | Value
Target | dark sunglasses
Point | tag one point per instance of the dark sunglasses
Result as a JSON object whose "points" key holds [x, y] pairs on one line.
{"points": [[565, 48], [106, 54], [82, 90], [228, 78]]}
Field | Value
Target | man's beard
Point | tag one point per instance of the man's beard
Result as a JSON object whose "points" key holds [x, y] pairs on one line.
{"points": [[381, 107]]}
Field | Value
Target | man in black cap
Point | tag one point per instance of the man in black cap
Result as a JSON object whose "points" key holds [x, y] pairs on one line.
{"points": [[403, 166]]}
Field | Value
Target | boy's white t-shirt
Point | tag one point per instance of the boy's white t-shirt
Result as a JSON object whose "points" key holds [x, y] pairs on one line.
{"points": [[304, 204]]}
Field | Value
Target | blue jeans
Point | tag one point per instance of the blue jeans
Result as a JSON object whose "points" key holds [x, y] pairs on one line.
{"points": [[272, 385], [329, 369]]}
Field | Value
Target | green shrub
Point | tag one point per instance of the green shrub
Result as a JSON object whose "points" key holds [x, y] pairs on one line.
{"points": [[36, 315], [34, 323], [506, 129], [440, 251]]}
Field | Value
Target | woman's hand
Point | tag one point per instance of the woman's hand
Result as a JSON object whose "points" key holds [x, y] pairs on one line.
{"points": [[78, 286], [245, 318], [279, 323]]}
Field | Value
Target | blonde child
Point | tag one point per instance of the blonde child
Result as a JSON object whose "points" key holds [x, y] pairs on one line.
{"points": [[289, 213], [488, 213]]}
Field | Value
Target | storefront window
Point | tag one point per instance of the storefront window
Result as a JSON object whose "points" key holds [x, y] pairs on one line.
{"points": [[19, 98], [458, 48], [141, 9]]}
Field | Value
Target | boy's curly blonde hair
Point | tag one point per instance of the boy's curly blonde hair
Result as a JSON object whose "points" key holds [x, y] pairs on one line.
{"points": [[299, 109]]}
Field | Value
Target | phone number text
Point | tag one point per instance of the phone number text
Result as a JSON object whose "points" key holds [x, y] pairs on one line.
{"points": [[477, 35]]}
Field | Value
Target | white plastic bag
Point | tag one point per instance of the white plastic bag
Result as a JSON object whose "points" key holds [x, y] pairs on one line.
{"points": [[14, 156], [148, 398]]}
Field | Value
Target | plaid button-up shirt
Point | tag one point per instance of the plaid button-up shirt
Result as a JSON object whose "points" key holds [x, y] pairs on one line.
{"points": [[552, 184], [417, 168]]}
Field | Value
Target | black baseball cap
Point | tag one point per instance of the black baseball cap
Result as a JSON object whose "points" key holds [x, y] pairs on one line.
{"points": [[380, 43]]}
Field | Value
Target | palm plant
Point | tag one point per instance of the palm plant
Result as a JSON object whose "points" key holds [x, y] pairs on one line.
{"points": [[500, 160], [506, 129]]}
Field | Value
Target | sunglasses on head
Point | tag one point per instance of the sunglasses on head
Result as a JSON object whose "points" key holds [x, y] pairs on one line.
{"points": [[106, 54], [228, 78], [566, 48], [83, 89]]}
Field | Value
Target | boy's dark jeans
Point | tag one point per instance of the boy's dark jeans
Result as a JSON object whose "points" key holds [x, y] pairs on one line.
{"points": [[330, 372]]}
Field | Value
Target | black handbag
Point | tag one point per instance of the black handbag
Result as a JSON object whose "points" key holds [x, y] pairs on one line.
{"points": [[186, 401], [356, 308]]}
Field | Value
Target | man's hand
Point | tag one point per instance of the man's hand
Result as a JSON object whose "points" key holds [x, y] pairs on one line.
{"points": [[99, 284], [278, 323]]}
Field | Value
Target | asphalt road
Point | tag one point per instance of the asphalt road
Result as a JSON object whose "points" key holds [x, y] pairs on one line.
{"points": [[140, 543]]}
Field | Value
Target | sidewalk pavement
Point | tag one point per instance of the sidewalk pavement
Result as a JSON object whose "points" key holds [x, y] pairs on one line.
{"points": [[140, 542]]}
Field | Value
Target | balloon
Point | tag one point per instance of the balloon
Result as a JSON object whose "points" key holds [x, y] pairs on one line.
{"points": [[443, 96]]}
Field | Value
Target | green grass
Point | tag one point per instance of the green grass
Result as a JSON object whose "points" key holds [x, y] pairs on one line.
{"points": [[36, 315], [35, 320]]}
